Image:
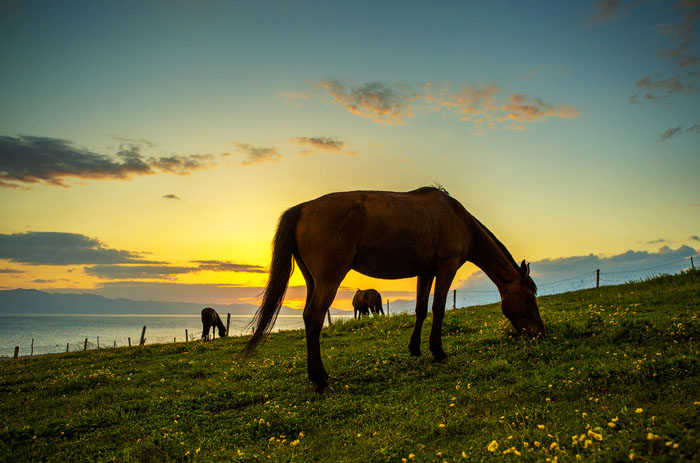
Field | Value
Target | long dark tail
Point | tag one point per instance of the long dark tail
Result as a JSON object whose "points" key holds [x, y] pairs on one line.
{"points": [[281, 268]]}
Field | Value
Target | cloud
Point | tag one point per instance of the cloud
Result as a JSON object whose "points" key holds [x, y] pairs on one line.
{"points": [[669, 133], [183, 165], [127, 272], [679, 51], [479, 104], [381, 102], [10, 270], [226, 266], [167, 271], [315, 145], [178, 292], [27, 159], [537, 110], [605, 10], [293, 98], [170, 196], [257, 155], [659, 241], [672, 132], [53, 248], [567, 273]]}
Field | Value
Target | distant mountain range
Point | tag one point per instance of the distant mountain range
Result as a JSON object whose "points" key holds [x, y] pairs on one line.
{"points": [[31, 301]]}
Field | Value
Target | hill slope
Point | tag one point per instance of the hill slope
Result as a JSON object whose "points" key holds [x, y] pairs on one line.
{"points": [[617, 379]]}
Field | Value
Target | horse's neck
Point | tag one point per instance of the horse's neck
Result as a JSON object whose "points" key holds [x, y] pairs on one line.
{"points": [[490, 257]]}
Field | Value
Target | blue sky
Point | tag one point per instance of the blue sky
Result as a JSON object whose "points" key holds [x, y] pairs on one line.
{"points": [[181, 130]]}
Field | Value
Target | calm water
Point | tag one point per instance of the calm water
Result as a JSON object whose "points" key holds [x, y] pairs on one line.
{"points": [[52, 332]]}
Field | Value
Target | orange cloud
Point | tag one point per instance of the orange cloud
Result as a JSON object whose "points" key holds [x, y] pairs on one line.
{"points": [[384, 104], [518, 110], [476, 103]]}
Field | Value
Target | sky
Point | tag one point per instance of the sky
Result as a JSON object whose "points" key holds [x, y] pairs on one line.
{"points": [[147, 149]]}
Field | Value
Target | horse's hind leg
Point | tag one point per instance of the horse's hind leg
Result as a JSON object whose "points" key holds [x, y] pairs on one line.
{"points": [[422, 294], [314, 314]]}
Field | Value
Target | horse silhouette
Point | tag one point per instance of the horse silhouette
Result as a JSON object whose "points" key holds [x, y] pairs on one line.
{"points": [[423, 233], [365, 301], [209, 319]]}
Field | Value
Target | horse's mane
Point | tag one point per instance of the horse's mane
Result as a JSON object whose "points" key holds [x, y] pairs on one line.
{"points": [[435, 187], [528, 281]]}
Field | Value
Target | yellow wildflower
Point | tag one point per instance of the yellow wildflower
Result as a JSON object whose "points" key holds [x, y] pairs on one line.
{"points": [[639, 410], [540, 427], [492, 446], [441, 425], [611, 425], [554, 446], [294, 443]]}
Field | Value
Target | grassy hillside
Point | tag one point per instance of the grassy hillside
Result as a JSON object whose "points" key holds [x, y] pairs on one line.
{"points": [[617, 379]]}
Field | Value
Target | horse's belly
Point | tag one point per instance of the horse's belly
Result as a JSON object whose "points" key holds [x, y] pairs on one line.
{"points": [[389, 267]]}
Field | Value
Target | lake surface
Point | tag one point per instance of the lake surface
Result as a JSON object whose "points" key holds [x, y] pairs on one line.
{"points": [[51, 333]]}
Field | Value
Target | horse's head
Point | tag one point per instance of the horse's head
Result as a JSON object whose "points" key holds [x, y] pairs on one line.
{"points": [[519, 305]]}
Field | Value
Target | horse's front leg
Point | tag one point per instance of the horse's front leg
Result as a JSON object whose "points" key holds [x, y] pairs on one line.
{"points": [[422, 294], [443, 281]]}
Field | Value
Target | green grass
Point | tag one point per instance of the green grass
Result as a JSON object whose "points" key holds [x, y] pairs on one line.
{"points": [[617, 378]]}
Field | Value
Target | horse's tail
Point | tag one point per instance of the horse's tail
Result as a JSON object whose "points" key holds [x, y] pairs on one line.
{"points": [[283, 249]]}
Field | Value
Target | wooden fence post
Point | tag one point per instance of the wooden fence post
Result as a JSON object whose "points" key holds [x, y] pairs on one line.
{"points": [[454, 299], [98, 342], [67, 346], [387, 306], [85, 348], [228, 323], [129, 341], [115, 343], [16, 351], [692, 264], [32, 347], [329, 317], [187, 335], [143, 336], [597, 278]]}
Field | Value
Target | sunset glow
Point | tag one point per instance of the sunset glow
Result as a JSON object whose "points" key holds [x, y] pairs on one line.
{"points": [[147, 150]]}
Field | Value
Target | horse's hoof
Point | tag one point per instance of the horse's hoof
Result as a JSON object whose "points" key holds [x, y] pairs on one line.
{"points": [[322, 387], [441, 358], [415, 351]]}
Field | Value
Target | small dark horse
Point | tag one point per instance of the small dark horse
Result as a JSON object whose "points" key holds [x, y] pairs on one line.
{"points": [[366, 300], [424, 233], [209, 319]]}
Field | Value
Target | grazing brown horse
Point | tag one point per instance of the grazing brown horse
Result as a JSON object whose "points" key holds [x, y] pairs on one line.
{"points": [[424, 233], [209, 319], [366, 300]]}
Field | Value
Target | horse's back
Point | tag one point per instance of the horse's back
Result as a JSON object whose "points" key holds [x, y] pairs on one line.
{"points": [[382, 234]]}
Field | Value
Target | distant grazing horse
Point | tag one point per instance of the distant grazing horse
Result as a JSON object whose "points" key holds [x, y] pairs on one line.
{"points": [[209, 319], [365, 301], [382, 234]]}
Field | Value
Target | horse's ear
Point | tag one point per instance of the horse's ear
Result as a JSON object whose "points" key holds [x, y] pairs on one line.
{"points": [[524, 269]]}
